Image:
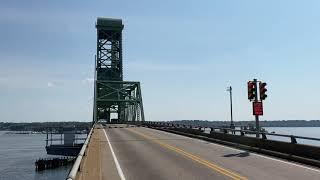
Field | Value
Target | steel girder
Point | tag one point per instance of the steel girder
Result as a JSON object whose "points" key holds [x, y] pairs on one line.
{"points": [[113, 95], [122, 97]]}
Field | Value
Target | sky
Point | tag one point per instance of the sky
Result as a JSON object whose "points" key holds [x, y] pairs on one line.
{"points": [[185, 54]]}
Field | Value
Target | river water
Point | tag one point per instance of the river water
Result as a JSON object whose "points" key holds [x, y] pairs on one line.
{"points": [[18, 152], [297, 131]]}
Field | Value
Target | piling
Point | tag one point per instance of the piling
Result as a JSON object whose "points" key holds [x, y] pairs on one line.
{"points": [[51, 163]]}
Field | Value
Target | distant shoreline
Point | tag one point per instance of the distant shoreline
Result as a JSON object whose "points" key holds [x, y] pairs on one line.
{"points": [[273, 123], [36, 132], [42, 126]]}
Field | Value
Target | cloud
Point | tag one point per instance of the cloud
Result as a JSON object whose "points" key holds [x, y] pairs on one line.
{"points": [[88, 81], [47, 20], [3, 79], [162, 67], [50, 84], [36, 73]]}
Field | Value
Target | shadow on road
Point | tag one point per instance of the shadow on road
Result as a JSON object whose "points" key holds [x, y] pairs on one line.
{"points": [[242, 154]]}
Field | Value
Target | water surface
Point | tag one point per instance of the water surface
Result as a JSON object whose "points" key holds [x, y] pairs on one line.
{"points": [[18, 153], [296, 131]]}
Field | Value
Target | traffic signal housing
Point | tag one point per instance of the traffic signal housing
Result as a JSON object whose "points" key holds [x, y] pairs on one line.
{"points": [[263, 90], [252, 90]]}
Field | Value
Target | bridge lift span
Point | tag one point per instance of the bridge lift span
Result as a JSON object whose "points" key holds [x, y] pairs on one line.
{"points": [[115, 100]]}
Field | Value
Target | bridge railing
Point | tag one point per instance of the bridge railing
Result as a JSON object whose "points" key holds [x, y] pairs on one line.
{"points": [[240, 132], [264, 135], [76, 166]]}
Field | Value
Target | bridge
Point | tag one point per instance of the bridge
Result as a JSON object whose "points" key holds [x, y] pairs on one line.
{"points": [[122, 145]]}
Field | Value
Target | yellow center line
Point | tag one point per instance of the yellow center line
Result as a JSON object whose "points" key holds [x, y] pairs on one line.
{"points": [[210, 165]]}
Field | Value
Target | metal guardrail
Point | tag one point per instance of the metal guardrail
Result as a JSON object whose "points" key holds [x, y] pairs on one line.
{"points": [[56, 137], [75, 168], [59, 139], [264, 135]]}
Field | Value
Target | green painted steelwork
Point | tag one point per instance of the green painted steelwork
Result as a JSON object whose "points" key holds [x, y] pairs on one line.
{"points": [[109, 24], [115, 100]]}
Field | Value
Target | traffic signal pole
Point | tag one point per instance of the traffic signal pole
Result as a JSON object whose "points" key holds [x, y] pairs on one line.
{"points": [[257, 106], [255, 81], [231, 114]]}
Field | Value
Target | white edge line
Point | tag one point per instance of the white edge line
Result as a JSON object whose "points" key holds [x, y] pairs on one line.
{"points": [[266, 157], [271, 158], [121, 175]]}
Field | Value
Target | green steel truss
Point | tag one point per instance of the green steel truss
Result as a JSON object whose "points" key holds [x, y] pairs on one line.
{"points": [[115, 100]]}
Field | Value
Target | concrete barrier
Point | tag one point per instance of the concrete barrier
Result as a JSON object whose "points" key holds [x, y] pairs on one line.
{"points": [[307, 151], [305, 154]]}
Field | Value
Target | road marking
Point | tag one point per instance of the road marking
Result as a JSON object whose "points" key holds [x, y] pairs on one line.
{"points": [[289, 163], [211, 165], [121, 175], [259, 155], [100, 172], [264, 156]]}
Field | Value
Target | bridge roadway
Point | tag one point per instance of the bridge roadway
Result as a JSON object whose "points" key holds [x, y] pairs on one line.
{"points": [[138, 153]]}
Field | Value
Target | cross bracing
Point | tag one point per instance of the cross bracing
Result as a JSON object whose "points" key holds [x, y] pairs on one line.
{"points": [[115, 100]]}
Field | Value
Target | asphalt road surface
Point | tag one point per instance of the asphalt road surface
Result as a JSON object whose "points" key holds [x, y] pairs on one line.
{"points": [[145, 154]]}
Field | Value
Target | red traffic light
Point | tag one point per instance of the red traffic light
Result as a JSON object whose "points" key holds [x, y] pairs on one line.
{"points": [[252, 90], [263, 90]]}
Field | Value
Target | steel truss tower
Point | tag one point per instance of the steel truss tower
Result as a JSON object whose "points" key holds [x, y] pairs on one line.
{"points": [[115, 100]]}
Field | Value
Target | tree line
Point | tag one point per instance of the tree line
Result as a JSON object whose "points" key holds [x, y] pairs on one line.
{"points": [[42, 126]]}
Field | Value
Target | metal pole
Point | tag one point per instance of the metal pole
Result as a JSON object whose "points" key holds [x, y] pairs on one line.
{"points": [[141, 104], [231, 114], [47, 137], [256, 116], [95, 93], [61, 131], [51, 137]]}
